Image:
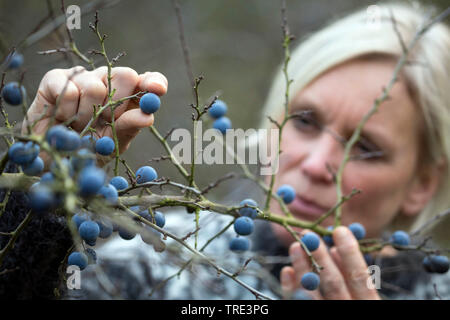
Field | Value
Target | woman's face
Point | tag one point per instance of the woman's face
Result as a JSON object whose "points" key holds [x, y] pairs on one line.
{"points": [[312, 150]]}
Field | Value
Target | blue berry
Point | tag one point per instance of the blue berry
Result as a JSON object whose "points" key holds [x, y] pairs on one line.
{"points": [[222, 124], [149, 103], [310, 281], [247, 211], [12, 94], [145, 174], [358, 230], [243, 226], [105, 146], [34, 168], [15, 149], [126, 234], [73, 141], [144, 214], [41, 198], [47, 177], [83, 158], [90, 180], [440, 263], [239, 244], [61, 138], [110, 193], [160, 219], [218, 109], [56, 136], [329, 239], [88, 142], [89, 230], [287, 193], [91, 255], [436, 264], [400, 238], [23, 153], [106, 228], [79, 218], [311, 241], [120, 183], [78, 259], [14, 60]]}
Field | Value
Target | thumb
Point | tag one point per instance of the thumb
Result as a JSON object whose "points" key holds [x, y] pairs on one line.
{"points": [[129, 124]]}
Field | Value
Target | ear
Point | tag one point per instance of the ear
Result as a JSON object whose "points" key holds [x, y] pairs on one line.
{"points": [[423, 188]]}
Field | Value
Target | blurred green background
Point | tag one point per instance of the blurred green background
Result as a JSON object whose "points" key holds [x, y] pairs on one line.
{"points": [[234, 44]]}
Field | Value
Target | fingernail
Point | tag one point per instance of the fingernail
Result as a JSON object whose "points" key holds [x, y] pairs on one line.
{"points": [[153, 80], [341, 234]]}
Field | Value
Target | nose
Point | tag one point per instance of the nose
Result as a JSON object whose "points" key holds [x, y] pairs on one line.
{"points": [[322, 159]]}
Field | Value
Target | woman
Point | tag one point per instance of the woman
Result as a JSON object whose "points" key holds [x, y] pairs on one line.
{"points": [[338, 74]]}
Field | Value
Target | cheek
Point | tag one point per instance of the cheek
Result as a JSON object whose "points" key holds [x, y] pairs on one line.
{"points": [[293, 147]]}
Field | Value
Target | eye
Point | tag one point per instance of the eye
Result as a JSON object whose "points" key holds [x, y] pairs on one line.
{"points": [[366, 150], [305, 121]]}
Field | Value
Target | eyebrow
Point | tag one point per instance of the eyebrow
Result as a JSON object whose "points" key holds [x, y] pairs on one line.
{"points": [[305, 105]]}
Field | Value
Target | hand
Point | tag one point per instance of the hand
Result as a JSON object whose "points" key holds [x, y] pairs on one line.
{"points": [[88, 88], [344, 274]]}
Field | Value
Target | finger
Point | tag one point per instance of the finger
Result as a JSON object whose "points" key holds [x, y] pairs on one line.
{"points": [[56, 96], [92, 92], [149, 82], [65, 93], [128, 126], [153, 82], [354, 267], [299, 260], [287, 281], [332, 282], [124, 80], [301, 264], [336, 258]]}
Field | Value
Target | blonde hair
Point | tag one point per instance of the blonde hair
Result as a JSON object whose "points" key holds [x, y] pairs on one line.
{"points": [[428, 78]]}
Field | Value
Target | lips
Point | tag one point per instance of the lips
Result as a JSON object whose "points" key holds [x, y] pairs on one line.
{"points": [[308, 208]]}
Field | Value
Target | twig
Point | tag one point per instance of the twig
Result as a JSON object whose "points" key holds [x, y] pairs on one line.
{"points": [[184, 46], [287, 38], [160, 183], [430, 222], [220, 180], [244, 266]]}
